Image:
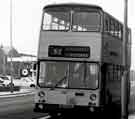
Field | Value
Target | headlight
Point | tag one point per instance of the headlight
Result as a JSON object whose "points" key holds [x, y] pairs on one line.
{"points": [[41, 94], [40, 106], [93, 97]]}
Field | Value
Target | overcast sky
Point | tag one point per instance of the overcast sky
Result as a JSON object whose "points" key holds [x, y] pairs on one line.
{"points": [[27, 18]]}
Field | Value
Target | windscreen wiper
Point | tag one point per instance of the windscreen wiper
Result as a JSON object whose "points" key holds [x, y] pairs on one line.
{"points": [[61, 80]]}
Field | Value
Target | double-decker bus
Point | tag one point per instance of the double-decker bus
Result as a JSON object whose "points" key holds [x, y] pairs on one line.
{"points": [[80, 60]]}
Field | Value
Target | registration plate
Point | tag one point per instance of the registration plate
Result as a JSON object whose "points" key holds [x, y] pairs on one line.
{"points": [[66, 106]]}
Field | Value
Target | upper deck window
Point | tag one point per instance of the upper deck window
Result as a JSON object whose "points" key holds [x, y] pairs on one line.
{"points": [[71, 19], [56, 21], [86, 21]]}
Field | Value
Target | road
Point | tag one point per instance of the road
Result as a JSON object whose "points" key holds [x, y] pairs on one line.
{"points": [[20, 107]]}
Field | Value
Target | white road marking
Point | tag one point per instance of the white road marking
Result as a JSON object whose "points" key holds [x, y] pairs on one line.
{"points": [[46, 117], [16, 95]]}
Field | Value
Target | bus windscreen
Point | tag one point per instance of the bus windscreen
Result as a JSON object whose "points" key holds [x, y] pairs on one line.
{"points": [[74, 75]]}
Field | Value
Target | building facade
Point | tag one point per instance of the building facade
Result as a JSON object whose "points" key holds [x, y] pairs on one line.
{"points": [[19, 61]]}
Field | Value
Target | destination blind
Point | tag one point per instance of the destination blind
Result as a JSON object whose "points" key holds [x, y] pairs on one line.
{"points": [[69, 51]]}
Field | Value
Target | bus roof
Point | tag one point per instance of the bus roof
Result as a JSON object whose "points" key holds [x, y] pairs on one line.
{"points": [[72, 5]]}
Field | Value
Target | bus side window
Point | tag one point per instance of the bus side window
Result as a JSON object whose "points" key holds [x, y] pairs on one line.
{"points": [[106, 25]]}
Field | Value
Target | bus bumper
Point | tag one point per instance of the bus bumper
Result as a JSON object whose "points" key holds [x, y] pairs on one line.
{"points": [[47, 108]]}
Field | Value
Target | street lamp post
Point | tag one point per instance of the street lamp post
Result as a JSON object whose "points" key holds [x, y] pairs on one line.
{"points": [[124, 82], [11, 47]]}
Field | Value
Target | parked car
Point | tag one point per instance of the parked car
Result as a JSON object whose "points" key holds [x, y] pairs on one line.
{"points": [[1, 82], [28, 82], [7, 81]]}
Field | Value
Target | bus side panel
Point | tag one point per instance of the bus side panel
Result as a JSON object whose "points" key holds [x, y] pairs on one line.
{"points": [[91, 39]]}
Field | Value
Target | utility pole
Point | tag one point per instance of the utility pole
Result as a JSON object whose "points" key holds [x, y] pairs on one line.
{"points": [[11, 47], [4, 65], [124, 82]]}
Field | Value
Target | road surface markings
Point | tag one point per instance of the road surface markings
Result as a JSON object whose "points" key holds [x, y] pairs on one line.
{"points": [[46, 117], [16, 95]]}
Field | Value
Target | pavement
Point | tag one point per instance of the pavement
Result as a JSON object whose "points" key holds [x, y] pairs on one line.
{"points": [[23, 91]]}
